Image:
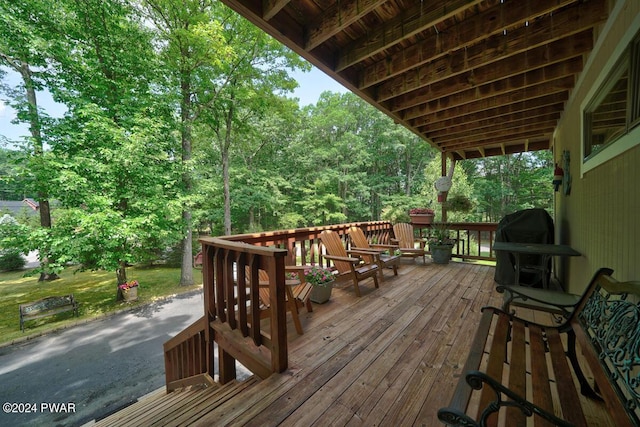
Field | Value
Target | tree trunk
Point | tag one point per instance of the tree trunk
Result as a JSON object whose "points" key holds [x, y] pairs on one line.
{"points": [[225, 167], [121, 275], [252, 218], [38, 149], [186, 271], [186, 276], [226, 192], [407, 162]]}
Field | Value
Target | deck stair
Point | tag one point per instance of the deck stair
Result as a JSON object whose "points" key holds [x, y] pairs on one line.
{"points": [[179, 408]]}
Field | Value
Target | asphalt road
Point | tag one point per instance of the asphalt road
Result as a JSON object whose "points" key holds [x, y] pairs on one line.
{"points": [[74, 376]]}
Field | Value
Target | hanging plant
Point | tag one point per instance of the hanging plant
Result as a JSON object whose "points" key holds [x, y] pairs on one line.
{"points": [[458, 203]]}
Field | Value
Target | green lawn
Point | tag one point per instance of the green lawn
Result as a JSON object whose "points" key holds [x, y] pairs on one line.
{"points": [[95, 292]]}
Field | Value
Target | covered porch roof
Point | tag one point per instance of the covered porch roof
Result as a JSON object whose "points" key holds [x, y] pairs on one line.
{"points": [[473, 78]]}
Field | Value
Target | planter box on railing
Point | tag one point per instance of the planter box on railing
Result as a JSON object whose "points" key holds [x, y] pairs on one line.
{"points": [[422, 219]]}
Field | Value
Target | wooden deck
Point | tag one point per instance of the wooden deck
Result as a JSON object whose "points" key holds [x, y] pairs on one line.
{"points": [[389, 358]]}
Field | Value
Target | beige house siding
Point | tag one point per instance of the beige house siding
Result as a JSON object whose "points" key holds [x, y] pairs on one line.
{"points": [[601, 216]]}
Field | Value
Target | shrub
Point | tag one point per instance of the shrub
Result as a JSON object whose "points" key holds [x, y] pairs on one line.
{"points": [[11, 261]]}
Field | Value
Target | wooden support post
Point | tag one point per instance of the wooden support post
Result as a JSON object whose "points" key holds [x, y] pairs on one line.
{"points": [[209, 305]]}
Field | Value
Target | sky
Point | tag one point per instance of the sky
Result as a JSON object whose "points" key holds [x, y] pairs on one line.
{"points": [[311, 85]]}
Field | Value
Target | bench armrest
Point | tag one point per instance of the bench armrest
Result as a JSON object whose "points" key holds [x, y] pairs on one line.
{"points": [[564, 303], [504, 397], [564, 327]]}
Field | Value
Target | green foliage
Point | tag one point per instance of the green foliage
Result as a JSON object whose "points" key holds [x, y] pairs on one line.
{"points": [[176, 114], [12, 243], [505, 184], [14, 183], [458, 203], [13, 235], [397, 207], [11, 260]]}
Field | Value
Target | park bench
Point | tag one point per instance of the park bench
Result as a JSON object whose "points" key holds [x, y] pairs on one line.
{"points": [[527, 371], [47, 307]]}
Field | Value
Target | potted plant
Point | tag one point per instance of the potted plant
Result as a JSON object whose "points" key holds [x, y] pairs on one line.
{"points": [[129, 290], [421, 215], [322, 280], [441, 244]]}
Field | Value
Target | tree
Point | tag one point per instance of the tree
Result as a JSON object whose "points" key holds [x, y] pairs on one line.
{"points": [[192, 51], [113, 149], [358, 155], [505, 184], [23, 45], [13, 184], [254, 79]]}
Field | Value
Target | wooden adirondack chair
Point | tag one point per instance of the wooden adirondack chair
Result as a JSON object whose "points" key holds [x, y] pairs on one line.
{"points": [[297, 296], [360, 242], [347, 266], [406, 240]]}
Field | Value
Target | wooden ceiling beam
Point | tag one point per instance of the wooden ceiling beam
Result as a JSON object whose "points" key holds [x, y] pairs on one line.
{"points": [[490, 117], [550, 56], [450, 117], [471, 31], [495, 49], [338, 17], [507, 136], [461, 154], [515, 89], [486, 140], [509, 129], [470, 128], [270, 8], [425, 14], [503, 149]]}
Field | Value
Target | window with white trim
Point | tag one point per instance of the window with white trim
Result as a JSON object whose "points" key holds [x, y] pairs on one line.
{"points": [[615, 108]]}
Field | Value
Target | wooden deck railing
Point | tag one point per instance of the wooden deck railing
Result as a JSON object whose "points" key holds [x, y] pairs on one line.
{"points": [[232, 308], [474, 239], [302, 244], [185, 357]]}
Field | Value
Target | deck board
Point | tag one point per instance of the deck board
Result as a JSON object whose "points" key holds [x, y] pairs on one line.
{"points": [[391, 357]]}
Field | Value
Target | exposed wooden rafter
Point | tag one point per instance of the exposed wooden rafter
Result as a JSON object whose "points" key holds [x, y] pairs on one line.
{"points": [[409, 23], [272, 7], [474, 78]]}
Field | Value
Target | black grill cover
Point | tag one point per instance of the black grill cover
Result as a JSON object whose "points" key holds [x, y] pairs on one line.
{"points": [[526, 226]]}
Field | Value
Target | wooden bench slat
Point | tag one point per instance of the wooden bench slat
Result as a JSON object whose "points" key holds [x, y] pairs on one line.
{"points": [[517, 370], [463, 389], [568, 395], [47, 307], [497, 356], [541, 389]]}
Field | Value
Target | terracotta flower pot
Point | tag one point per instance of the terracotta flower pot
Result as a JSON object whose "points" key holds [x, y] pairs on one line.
{"points": [[421, 218]]}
